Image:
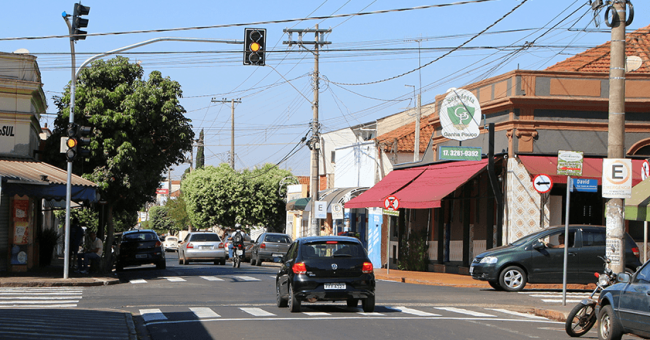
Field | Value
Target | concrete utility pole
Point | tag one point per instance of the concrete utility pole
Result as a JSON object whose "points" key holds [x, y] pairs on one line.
{"points": [[418, 114], [232, 126], [314, 144], [616, 135]]}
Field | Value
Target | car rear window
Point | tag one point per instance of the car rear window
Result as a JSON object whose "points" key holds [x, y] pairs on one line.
{"points": [[139, 236], [205, 238], [277, 239], [171, 239], [332, 249]]}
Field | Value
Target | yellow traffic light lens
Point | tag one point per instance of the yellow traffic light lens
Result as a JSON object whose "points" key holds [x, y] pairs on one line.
{"points": [[71, 142], [255, 47]]}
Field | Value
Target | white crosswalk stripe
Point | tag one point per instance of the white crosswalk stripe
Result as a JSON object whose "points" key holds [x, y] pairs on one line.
{"points": [[370, 314], [316, 313], [135, 282], [211, 278], [257, 311], [505, 311], [152, 314], [204, 312], [466, 311], [413, 311], [175, 279], [246, 278], [556, 297], [40, 297]]}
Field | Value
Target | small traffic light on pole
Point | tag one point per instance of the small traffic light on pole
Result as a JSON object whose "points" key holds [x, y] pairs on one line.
{"points": [[254, 46], [78, 22], [83, 140], [72, 143]]}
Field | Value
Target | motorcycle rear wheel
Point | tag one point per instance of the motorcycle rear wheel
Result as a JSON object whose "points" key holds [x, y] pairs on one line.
{"points": [[580, 320]]}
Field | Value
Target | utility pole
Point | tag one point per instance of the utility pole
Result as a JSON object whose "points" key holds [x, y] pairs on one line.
{"points": [[232, 126], [418, 114], [169, 181], [314, 143], [616, 134]]}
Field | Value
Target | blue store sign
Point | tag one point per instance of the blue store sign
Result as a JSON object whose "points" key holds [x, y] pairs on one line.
{"points": [[584, 185]]}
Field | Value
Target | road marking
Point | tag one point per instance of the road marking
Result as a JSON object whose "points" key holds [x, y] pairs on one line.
{"points": [[47, 297], [316, 313], [370, 314], [211, 278], [465, 311], [152, 315], [175, 279], [413, 311], [138, 281], [246, 278], [257, 312], [525, 315], [204, 312], [560, 300]]}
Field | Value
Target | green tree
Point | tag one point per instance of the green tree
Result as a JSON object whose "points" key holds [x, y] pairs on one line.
{"points": [[200, 152], [177, 212], [140, 131], [159, 218]]}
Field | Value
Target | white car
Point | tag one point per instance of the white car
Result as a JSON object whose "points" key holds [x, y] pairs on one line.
{"points": [[171, 243]]}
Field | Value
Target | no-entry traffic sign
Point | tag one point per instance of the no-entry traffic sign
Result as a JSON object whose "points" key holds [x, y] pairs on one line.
{"points": [[542, 183], [391, 203]]}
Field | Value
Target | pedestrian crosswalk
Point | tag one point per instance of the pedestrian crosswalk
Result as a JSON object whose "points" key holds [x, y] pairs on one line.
{"points": [[556, 296], [40, 297], [189, 314], [236, 278]]}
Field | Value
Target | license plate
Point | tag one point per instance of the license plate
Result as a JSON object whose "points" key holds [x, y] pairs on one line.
{"points": [[141, 256], [205, 247], [335, 286], [277, 255], [240, 252]]}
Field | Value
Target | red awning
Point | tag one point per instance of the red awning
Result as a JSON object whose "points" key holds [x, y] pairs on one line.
{"points": [[591, 168], [394, 181], [437, 181]]}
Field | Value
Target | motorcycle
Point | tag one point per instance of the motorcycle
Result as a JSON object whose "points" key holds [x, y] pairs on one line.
{"points": [[583, 316], [238, 255]]}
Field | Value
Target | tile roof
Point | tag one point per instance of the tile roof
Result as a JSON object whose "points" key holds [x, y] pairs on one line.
{"points": [[405, 136], [596, 60]]}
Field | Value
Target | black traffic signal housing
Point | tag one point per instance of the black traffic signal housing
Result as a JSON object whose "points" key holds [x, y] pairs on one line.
{"points": [[71, 143], [83, 140], [254, 46], [78, 22]]}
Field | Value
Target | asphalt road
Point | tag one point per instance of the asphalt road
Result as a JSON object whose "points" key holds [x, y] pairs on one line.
{"points": [[207, 301]]}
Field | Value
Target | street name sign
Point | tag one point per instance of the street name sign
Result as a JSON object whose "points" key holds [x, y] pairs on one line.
{"points": [[617, 178], [542, 183], [584, 185]]}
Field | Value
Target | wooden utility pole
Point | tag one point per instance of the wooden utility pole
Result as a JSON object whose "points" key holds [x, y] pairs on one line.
{"points": [[314, 144], [616, 135], [232, 126]]}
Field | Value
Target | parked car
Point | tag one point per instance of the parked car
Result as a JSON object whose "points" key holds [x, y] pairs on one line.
{"points": [[539, 258], [138, 247], [171, 243], [269, 247], [625, 307], [202, 247], [325, 268]]}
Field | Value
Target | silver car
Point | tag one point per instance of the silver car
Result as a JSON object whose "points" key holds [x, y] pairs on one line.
{"points": [[270, 247], [202, 247]]}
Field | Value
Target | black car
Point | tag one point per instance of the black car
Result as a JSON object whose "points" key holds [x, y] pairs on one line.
{"points": [[625, 307], [326, 268], [539, 258], [138, 247]]}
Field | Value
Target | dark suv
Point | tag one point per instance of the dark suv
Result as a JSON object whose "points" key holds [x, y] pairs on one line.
{"points": [[138, 247], [326, 268], [539, 258]]}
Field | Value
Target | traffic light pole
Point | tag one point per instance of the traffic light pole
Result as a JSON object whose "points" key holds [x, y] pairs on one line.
{"points": [[315, 140], [232, 126], [75, 74]]}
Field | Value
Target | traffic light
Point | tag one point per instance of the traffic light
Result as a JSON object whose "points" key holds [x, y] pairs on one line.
{"points": [[78, 22], [254, 46], [72, 143], [83, 140]]}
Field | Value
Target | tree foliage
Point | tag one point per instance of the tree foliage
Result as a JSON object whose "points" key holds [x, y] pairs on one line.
{"points": [[177, 212], [223, 196], [160, 219], [139, 131]]}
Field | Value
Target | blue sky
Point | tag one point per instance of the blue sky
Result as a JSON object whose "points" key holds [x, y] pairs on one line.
{"points": [[275, 114]]}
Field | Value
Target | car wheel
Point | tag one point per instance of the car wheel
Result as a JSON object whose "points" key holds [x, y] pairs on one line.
{"points": [[495, 285], [223, 262], [293, 303], [353, 302], [608, 327], [513, 279], [282, 302], [216, 262], [161, 264], [368, 304]]}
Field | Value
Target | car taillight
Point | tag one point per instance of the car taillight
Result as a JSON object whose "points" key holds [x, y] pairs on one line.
{"points": [[367, 268], [299, 268], [636, 252], [239, 246], [263, 245], [190, 245], [220, 245], [158, 244], [331, 242]]}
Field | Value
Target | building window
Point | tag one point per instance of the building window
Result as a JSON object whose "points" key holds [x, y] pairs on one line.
{"points": [[333, 157]]}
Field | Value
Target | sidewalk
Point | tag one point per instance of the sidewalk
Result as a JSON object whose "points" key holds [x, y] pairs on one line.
{"points": [[558, 313], [52, 276]]}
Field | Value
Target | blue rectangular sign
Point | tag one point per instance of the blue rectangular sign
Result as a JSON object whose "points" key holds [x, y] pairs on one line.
{"points": [[584, 185]]}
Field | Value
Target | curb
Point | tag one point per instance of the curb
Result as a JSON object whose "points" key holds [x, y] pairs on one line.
{"points": [[33, 282]]}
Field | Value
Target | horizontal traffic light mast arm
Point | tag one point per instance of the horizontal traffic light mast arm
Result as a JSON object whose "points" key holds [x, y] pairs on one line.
{"points": [[151, 41]]}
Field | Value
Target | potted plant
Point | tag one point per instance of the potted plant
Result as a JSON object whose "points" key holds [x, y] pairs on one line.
{"points": [[47, 239]]}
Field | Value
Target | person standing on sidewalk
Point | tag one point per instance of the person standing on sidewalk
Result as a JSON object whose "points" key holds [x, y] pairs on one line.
{"points": [[92, 250], [76, 236]]}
